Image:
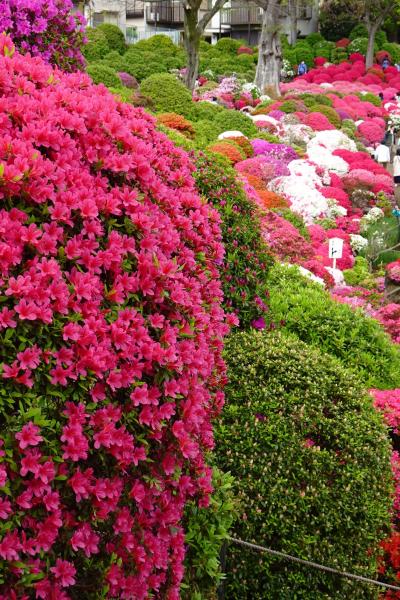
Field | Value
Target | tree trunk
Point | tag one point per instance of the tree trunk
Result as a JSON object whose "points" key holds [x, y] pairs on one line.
{"points": [[292, 13], [269, 51], [192, 47], [372, 28]]}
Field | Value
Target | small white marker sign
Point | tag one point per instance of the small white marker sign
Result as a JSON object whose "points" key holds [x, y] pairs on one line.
{"points": [[335, 249]]}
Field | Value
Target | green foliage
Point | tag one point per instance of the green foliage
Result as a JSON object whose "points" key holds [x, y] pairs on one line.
{"points": [[124, 94], [368, 97], [304, 52], [289, 106], [359, 31], [97, 46], [233, 120], [311, 460], [159, 44], [381, 38], [143, 64], [359, 44], [324, 49], [115, 61], [167, 93], [290, 55], [104, 74], [204, 133], [268, 137], [179, 140], [206, 530], [335, 21], [360, 274], [204, 111], [246, 256], [115, 37], [394, 51], [309, 312], [339, 55], [314, 38], [228, 46], [330, 114]]}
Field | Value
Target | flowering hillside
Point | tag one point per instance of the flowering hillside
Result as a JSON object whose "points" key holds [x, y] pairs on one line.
{"points": [[111, 332]]}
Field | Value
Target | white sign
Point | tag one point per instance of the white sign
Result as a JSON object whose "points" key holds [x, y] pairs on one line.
{"points": [[335, 248]]}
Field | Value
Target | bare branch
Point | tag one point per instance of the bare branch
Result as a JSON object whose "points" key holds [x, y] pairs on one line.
{"points": [[206, 18]]}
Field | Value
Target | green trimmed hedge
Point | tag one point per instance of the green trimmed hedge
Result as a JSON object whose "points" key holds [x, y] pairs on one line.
{"points": [[97, 45], [311, 460], [114, 36], [309, 312], [104, 74], [167, 93]]}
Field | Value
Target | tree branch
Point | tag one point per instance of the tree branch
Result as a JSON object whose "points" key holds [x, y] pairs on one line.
{"points": [[206, 18]]}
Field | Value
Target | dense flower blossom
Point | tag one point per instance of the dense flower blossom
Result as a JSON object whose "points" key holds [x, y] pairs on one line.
{"points": [[45, 28], [112, 327]]}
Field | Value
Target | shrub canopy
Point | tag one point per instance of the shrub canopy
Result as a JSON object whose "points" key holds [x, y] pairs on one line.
{"points": [[311, 460]]}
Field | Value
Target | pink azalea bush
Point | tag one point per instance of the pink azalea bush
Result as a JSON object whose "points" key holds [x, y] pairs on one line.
{"points": [[111, 328], [45, 28]]}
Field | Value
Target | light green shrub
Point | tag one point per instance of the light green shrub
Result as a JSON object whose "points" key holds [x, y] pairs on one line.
{"points": [[313, 316], [97, 46], [104, 74], [311, 461], [167, 93], [115, 37]]}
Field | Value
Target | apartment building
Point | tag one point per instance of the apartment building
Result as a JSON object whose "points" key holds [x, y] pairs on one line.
{"points": [[140, 19]]}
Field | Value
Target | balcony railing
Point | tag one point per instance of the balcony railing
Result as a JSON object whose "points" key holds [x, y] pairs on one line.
{"points": [[162, 13], [252, 15], [134, 9]]}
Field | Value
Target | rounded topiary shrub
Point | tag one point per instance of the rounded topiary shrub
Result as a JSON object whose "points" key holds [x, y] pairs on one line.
{"points": [[167, 93], [111, 329], [143, 64], [309, 312], [46, 28], [115, 37], [310, 457], [330, 114], [97, 46], [233, 120], [104, 74]]}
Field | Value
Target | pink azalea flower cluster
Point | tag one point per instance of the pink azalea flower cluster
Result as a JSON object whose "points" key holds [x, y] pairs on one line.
{"points": [[393, 271], [111, 327], [45, 28], [388, 402]]}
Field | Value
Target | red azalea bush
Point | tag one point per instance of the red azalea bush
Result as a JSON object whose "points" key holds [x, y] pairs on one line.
{"points": [[389, 317], [46, 28], [318, 122], [371, 132], [319, 61], [111, 331], [245, 50], [342, 43], [228, 149]]}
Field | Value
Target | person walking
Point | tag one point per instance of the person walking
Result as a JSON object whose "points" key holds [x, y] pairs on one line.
{"points": [[396, 168], [382, 154], [302, 69], [385, 63]]}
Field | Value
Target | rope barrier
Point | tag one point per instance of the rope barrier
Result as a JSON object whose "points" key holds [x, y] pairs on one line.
{"points": [[309, 563]]}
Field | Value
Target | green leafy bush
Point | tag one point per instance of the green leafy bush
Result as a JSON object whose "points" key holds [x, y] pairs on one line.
{"points": [[159, 44], [289, 106], [167, 93], [204, 133], [247, 259], [228, 46], [309, 312], [314, 38], [324, 48], [311, 460], [114, 36], [97, 45], [104, 74], [233, 120], [369, 97], [394, 51], [360, 44], [206, 531], [142, 64], [360, 274], [204, 110], [358, 31], [115, 61], [304, 52]]}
